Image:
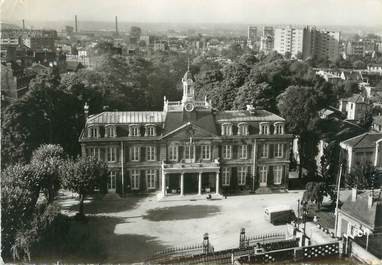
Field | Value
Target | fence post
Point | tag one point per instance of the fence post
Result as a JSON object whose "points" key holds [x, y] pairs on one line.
{"points": [[206, 243], [242, 238]]}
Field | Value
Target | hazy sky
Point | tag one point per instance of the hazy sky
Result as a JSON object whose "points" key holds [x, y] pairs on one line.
{"points": [[329, 12]]}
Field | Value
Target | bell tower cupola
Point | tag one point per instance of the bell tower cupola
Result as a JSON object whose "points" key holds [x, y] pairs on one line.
{"points": [[188, 86]]}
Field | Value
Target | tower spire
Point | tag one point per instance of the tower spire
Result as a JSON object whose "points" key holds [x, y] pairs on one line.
{"points": [[188, 64]]}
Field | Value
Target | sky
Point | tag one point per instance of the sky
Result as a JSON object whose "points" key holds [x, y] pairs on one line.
{"points": [[313, 12]]}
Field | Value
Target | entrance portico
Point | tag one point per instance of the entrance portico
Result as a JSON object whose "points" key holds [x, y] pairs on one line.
{"points": [[183, 169]]}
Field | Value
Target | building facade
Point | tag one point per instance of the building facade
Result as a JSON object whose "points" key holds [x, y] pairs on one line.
{"points": [[190, 148], [289, 40]]}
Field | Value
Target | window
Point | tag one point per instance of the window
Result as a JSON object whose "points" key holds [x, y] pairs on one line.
{"points": [[243, 129], [134, 179], [93, 132], [136, 153], [206, 152], [173, 152], [134, 130], [277, 174], [150, 130], [242, 174], [279, 128], [227, 151], [111, 185], [226, 176], [189, 151], [264, 151], [279, 150], [150, 153], [110, 131], [150, 176], [92, 151], [264, 128], [243, 152], [226, 129], [112, 154], [263, 173]]}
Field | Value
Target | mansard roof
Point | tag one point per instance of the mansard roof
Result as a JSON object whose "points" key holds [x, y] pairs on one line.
{"points": [[126, 117], [202, 119], [245, 115]]}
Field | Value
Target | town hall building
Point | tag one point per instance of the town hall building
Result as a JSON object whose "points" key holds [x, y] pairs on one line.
{"points": [[190, 148]]}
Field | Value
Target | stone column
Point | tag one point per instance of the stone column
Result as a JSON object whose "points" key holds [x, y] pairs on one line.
{"points": [[217, 182], [200, 183], [182, 184], [163, 183]]}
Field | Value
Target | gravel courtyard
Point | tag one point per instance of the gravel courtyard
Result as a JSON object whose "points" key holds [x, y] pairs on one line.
{"points": [[175, 223]]}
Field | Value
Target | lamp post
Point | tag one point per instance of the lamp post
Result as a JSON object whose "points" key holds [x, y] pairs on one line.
{"points": [[304, 215]]}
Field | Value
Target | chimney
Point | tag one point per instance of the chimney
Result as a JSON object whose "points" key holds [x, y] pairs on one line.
{"points": [[116, 25], [86, 111], [251, 109], [23, 25], [75, 24], [354, 194], [370, 201]]}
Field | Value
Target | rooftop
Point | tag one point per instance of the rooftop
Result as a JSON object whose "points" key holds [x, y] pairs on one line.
{"points": [[366, 140], [245, 115], [125, 117], [359, 209]]}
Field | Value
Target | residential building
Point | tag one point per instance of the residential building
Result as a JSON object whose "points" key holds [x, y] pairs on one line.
{"points": [[190, 148], [361, 150], [354, 107], [356, 48], [321, 44], [266, 44], [252, 33], [289, 40], [377, 123], [360, 215]]}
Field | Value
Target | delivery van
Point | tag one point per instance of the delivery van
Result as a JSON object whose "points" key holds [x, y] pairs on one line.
{"points": [[281, 214]]}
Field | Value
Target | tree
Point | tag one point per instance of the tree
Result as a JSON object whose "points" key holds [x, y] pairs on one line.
{"points": [[46, 162], [359, 64], [314, 192], [82, 176], [260, 95], [363, 177], [19, 194], [299, 106], [329, 167]]}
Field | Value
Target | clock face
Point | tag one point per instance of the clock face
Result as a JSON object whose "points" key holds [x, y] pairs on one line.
{"points": [[189, 107]]}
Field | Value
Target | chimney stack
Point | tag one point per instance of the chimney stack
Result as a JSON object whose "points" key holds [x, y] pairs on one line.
{"points": [[116, 25], [23, 25], [75, 24], [354, 194], [370, 199]]}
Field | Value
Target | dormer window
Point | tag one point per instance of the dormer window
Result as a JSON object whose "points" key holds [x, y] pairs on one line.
{"points": [[93, 132], [242, 129], [150, 130], [226, 129], [264, 128], [134, 130], [279, 128], [110, 131]]}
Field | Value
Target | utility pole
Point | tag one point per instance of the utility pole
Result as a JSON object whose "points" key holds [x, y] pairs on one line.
{"points": [[338, 200]]}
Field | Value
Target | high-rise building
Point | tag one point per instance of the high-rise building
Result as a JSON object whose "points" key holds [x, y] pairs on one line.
{"points": [[289, 40], [252, 33], [307, 42], [267, 39]]}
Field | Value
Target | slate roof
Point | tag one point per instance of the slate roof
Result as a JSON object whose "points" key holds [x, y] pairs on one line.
{"points": [[356, 98], [127, 117], [244, 115], [366, 140], [359, 209], [203, 119]]}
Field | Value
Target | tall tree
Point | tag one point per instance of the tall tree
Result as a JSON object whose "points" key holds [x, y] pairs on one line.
{"points": [[299, 106], [260, 95]]}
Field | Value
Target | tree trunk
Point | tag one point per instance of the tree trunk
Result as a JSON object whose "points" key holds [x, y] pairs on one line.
{"points": [[50, 195], [81, 210]]}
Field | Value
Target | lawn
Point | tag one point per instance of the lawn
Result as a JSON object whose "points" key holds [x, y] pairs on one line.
{"points": [[132, 228]]}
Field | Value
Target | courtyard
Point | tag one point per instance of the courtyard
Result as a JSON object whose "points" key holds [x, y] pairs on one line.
{"points": [[131, 228]]}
